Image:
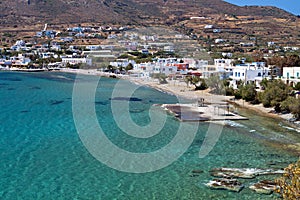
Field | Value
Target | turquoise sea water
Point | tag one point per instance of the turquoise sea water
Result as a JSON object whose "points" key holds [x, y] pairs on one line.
{"points": [[42, 156]]}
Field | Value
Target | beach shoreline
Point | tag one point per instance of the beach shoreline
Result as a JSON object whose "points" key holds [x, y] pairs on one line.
{"points": [[180, 89]]}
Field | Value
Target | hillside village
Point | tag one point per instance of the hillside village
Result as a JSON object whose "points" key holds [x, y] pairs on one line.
{"points": [[141, 53]]}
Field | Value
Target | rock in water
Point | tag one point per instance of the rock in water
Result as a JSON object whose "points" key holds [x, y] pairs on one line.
{"points": [[225, 184], [243, 172], [196, 172], [264, 187]]}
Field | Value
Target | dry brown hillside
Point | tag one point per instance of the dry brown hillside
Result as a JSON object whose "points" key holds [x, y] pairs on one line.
{"points": [[265, 23], [125, 11]]}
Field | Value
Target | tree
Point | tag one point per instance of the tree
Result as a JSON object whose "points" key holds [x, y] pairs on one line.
{"points": [[291, 104], [297, 86], [111, 68], [289, 183], [275, 92], [264, 83], [248, 92], [285, 105], [198, 82], [187, 80], [202, 86], [129, 67], [216, 85], [161, 77]]}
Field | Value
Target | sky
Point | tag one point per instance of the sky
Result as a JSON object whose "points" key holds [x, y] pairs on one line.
{"points": [[292, 6]]}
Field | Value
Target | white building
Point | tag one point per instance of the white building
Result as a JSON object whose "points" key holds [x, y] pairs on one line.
{"points": [[142, 70], [93, 47], [201, 64], [219, 41], [169, 49], [208, 26], [56, 47], [74, 61], [291, 75], [167, 66], [208, 70], [45, 55], [169, 69], [291, 72], [122, 63], [223, 65], [249, 73]]}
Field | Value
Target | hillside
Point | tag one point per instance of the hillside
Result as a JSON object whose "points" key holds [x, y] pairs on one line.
{"points": [[126, 11], [236, 24]]}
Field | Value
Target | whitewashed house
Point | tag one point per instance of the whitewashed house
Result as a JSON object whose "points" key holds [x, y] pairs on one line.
{"points": [[208, 70], [122, 63], [74, 61], [169, 48], [45, 55], [167, 66], [93, 47], [142, 70], [169, 69], [201, 64], [19, 45], [56, 47], [291, 75], [223, 65], [249, 73]]}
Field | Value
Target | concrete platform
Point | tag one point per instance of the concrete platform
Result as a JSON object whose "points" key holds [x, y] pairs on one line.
{"points": [[193, 112]]}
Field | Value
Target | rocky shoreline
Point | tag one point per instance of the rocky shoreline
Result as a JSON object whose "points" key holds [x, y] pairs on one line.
{"points": [[237, 179]]}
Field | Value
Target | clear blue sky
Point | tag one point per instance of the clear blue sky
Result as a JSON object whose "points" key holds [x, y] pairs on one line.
{"points": [[292, 6]]}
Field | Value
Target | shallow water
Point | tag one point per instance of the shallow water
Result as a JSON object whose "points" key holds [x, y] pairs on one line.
{"points": [[42, 156]]}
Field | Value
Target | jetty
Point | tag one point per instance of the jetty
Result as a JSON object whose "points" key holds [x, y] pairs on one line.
{"points": [[202, 112]]}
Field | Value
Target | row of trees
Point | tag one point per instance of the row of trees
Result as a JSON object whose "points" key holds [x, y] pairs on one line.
{"points": [[275, 94]]}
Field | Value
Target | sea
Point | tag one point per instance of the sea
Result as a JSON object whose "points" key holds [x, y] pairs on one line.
{"points": [[68, 136]]}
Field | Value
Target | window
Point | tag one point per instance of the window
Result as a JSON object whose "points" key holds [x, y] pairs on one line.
{"points": [[259, 74], [297, 74], [239, 74]]}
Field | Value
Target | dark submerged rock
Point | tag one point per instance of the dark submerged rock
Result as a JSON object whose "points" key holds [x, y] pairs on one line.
{"points": [[126, 99], [55, 102]]}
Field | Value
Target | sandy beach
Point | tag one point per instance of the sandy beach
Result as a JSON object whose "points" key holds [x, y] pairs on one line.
{"points": [[180, 89]]}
